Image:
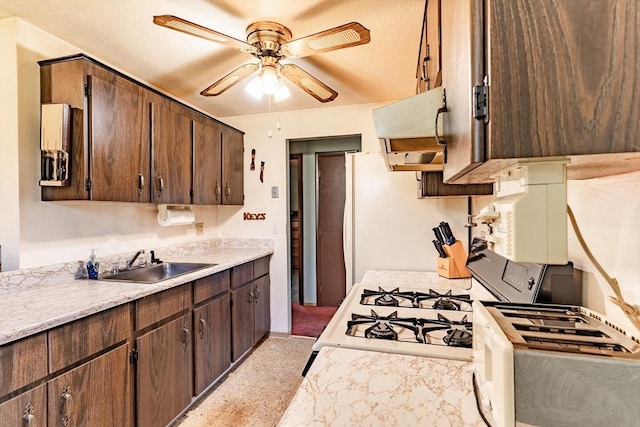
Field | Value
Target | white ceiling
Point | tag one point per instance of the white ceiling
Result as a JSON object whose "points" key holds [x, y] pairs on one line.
{"points": [[121, 33]]}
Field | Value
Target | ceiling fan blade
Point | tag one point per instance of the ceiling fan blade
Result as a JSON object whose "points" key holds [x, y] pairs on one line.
{"points": [[347, 35], [308, 83], [230, 79], [184, 26]]}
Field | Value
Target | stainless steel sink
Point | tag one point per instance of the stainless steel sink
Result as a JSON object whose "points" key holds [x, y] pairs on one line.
{"points": [[156, 273]]}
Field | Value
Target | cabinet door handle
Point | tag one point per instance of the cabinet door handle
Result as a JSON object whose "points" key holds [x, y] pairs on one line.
{"points": [[203, 324], [160, 186], [28, 415], [251, 297], [140, 183], [185, 337], [257, 295], [67, 400], [217, 191], [227, 190]]}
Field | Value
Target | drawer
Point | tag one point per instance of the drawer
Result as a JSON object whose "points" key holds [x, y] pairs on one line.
{"points": [[210, 286], [77, 340], [241, 274], [261, 267], [156, 307], [23, 362]]}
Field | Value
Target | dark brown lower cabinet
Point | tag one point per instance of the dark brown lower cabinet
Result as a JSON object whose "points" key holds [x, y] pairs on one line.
{"points": [[250, 314], [242, 319], [27, 409], [212, 341], [165, 380], [262, 301], [94, 393]]}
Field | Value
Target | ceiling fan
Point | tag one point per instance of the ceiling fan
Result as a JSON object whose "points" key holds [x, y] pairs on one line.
{"points": [[270, 42]]}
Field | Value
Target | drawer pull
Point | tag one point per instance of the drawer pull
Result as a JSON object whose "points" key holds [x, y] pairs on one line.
{"points": [[28, 416], [203, 324], [185, 337]]}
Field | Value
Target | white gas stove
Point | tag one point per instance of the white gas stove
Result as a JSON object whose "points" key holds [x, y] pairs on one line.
{"points": [[422, 314], [421, 320]]}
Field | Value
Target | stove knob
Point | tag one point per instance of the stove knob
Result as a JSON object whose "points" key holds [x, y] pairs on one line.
{"points": [[530, 283]]}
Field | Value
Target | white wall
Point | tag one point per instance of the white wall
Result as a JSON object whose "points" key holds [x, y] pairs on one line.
{"points": [[607, 211], [37, 233], [401, 234]]}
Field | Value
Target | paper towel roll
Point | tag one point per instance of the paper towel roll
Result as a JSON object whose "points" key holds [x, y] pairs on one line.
{"points": [[176, 216]]}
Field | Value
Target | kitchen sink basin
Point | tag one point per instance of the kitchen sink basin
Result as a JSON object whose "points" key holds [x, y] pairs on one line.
{"points": [[156, 273]]}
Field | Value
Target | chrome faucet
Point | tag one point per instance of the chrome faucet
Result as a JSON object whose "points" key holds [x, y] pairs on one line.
{"points": [[132, 260]]}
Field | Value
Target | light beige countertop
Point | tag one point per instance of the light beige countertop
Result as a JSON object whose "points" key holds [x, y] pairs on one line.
{"points": [[31, 301], [346, 387]]}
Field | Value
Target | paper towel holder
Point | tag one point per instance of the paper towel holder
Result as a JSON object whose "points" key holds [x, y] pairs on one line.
{"points": [[162, 210]]}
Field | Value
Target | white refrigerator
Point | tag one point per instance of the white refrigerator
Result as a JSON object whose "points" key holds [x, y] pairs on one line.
{"points": [[386, 225]]}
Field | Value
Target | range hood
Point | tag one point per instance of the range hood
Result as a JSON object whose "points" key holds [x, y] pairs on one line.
{"points": [[407, 132]]}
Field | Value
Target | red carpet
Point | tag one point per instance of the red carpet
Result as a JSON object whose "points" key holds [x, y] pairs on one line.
{"points": [[309, 321]]}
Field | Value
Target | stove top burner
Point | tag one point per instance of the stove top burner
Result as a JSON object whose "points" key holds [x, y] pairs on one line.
{"points": [[459, 338], [446, 304], [457, 333], [430, 300]]}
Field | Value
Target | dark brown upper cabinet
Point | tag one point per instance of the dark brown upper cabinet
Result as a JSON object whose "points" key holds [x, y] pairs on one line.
{"points": [[528, 79], [232, 176], [119, 141], [171, 166], [131, 143], [207, 162]]}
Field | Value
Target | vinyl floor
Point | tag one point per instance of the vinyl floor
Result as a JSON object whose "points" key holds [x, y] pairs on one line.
{"points": [[258, 391]]}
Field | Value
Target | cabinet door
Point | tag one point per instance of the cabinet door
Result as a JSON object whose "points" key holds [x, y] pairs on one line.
{"points": [[242, 320], [433, 67], [212, 341], [164, 372], [462, 68], [27, 409], [207, 163], [119, 142], [262, 299], [93, 394], [171, 155], [232, 176]]}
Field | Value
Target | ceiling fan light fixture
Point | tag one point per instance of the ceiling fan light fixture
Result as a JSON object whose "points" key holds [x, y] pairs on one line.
{"points": [[269, 79], [254, 88], [282, 93]]}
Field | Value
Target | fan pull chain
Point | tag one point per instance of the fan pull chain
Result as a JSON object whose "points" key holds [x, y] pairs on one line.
{"points": [[278, 116], [269, 134]]}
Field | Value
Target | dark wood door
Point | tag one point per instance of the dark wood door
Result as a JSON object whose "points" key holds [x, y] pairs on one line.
{"points": [[119, 142], [232, 157], [171, 155], [262, 299], [93, 394], [242, 318], [165, 377], [207, 162], [212, 341], [330, 269]]}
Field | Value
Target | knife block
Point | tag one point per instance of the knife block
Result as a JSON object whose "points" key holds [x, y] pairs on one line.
{"points": [[454, 265]]}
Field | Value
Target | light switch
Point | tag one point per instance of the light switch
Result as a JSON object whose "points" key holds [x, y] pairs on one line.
{"points": [[274, 192]]}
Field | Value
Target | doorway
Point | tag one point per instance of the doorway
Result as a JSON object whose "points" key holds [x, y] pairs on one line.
{"points": [[306, 207]]}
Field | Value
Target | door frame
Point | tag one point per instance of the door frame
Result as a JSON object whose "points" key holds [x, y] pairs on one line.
{"points": [[298, 157]]}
